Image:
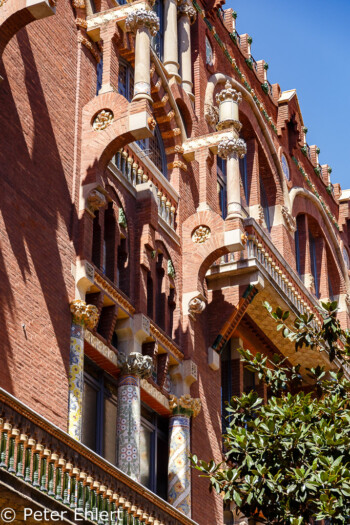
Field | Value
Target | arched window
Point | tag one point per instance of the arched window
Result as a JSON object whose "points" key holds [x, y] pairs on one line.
{"points": [[155, 151], [346, 258], [209, 55]]}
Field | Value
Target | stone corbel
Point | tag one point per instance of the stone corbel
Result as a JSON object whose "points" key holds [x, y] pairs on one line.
{"points": [[83, 314], [183, 376], [193, 304], [84, 278], [132, 332]]}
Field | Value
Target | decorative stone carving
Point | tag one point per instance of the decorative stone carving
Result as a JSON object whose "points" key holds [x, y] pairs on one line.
{"points": [[151, 123], [186, 8], [260, 218], [96, 200], [122, 218], [185, 404], [211, 114], [229, 93], [289, 219], [195, 307], [103, 119], [135, 364], [84, 314], [142, 18], [235, 147], [201, 234], [244, 238]]}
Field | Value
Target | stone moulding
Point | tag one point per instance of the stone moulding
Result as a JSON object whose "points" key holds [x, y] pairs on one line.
{"points": [[112, 292], [211, 141], [166, 343]]}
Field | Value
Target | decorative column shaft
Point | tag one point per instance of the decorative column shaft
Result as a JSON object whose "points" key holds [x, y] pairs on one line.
{"points": [[145, 24], [171, 59], [179, 467], [84, 316], [133, 368], [187, 16], [232, 150], [228, 100]]}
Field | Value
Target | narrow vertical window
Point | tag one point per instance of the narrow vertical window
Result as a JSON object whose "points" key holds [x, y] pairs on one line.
{"points": [[226, 384], [99, 71], [160, 295], [297, 250], [244, 177], [96, 241], [265, 205], [149, 295], [221, 186], [313, 262], [157, 40]]}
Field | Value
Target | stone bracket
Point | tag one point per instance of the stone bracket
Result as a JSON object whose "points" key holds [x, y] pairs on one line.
{"points": [[40, 8], [210, 141], [117, 14]]}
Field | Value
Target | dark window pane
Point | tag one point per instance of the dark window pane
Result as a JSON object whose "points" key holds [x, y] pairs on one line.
{"points": [[162, 468], [89, 416], [110, 430], [145, 456]]}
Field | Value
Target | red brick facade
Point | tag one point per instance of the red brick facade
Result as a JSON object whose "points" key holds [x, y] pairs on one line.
{"points": [[138, 241]]}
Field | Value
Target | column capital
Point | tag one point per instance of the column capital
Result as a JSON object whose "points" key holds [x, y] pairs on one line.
{"points": [[229, 93], [84, 314], [235, 147], [185, 405], [142, 18], [187, 9], [135, 364]]}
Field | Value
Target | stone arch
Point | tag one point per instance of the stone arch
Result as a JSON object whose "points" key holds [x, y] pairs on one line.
{"points": [[198, 257], [296, 196], [208, 104], [16, 14]]}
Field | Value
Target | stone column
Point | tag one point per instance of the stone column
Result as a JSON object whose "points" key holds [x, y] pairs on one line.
{"points": [[187, 16], [145, 24], [232, 150], [228, 100], [134, 367], [84, 316], [179, 467], [171, 59]]}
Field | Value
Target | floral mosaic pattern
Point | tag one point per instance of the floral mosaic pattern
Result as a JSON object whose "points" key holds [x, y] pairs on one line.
{"points": [[128, 426], [76, 381], [179, 487]]}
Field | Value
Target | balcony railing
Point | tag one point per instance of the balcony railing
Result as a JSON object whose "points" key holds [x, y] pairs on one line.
{"points": [[135, 172], [260, 250], [63, 474]]}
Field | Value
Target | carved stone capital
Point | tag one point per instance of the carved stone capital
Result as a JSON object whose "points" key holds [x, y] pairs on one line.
{"points": [[84, 314], [289, 219], [235, 147], [195, 307], [229, 93], [142, 18], [186, 405], [135, 364], [187, 9]]}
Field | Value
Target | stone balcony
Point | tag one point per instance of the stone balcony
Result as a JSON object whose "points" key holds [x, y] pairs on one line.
{"points": [[43, 469]]}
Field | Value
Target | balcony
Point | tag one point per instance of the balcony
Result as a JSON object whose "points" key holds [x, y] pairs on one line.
{"points": [[43, 468]]}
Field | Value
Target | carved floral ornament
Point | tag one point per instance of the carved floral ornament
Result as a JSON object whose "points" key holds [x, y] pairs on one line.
{"points": [[135, 364], [211, 114], [103, 119], [195, 307], [96, 200], [235, 147], [84, 314], [186, 8], [289, 219], [201, 234], [185, 405], [142, 18]]}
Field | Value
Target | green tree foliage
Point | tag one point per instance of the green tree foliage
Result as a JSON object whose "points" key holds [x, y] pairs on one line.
{"points": [[288, 460]]}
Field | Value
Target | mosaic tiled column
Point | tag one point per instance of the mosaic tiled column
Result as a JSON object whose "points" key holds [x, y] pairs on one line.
{"points": [[179, 468], [133, 367], [145, 24], [84, 316]]}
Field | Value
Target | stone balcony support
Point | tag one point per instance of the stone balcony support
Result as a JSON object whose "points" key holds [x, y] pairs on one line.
{"points": [[171, 59], [134, 367], [179, 467], [144, 24], [232, 150], [187, 16], [84, 316]]}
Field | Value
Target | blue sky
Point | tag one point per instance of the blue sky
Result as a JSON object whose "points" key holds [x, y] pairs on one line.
{"points": [[307, 46]]}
